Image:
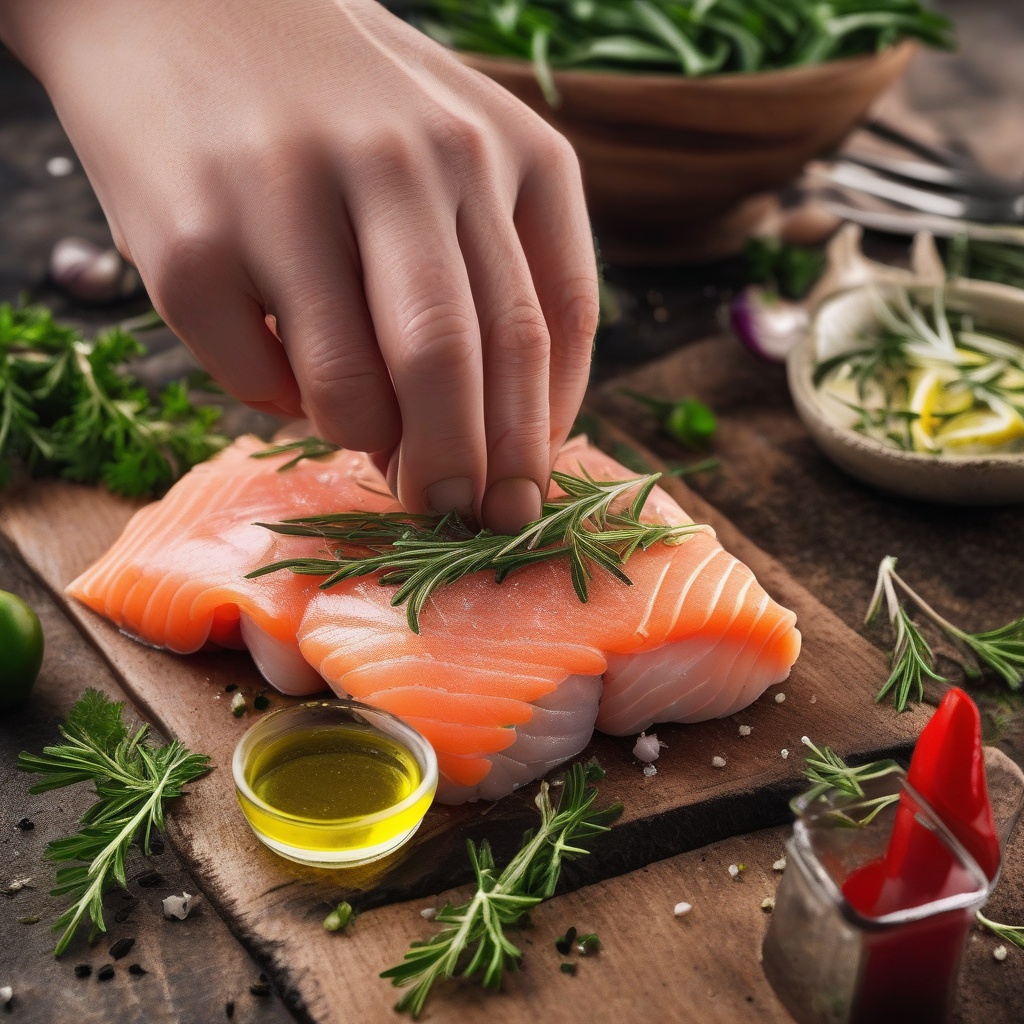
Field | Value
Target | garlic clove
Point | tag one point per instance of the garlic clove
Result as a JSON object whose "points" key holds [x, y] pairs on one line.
{"points": [[90, 273]]}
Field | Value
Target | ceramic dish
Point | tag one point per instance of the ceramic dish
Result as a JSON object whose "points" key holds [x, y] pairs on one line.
{"points": [[679, 168], [318, 838], [985, 479]]}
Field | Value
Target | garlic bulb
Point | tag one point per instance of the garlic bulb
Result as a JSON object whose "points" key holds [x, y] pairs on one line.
{"points": [[90, 273]]}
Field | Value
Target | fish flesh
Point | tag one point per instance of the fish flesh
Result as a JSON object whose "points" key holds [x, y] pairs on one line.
{"points": [[695, 637], [175, 578], [505, 680]]}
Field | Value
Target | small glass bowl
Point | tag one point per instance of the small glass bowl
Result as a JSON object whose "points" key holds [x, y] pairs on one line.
{"points": [[341, 842], [829, 963]]}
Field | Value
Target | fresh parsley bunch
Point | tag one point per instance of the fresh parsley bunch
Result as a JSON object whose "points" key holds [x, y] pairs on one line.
{"points": [[132, 779], [68, 409]]}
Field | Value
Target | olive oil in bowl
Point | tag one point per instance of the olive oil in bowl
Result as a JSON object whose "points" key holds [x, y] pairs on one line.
{"points": [[334, 783]]}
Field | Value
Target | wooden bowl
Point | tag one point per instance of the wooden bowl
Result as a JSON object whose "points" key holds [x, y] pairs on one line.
{"points": [[679, 168], [984, 479]]}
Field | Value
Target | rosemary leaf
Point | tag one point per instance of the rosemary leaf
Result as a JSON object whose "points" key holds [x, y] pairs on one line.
{"points": [[1009, 932], [306, 448], [132, 779], [474, 944], [999, 650], [420, 554]]}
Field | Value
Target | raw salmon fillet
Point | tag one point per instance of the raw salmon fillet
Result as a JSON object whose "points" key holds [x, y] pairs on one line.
{"points": [[695, 637], [507, 680], [176, 576]]}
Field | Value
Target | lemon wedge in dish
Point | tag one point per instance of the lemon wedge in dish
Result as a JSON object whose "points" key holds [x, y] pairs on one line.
{"points": [[925, 389], [982, 428]]}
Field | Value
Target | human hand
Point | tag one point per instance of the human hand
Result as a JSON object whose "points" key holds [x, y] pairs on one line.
{"points": [[417, 234]]}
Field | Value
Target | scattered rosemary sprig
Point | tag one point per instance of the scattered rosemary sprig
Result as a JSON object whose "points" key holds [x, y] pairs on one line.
{"points": [[419, 554], [1009, 932], [132, 780], [306, 448], [474, 944], [1000, 650], [68, 409], [827, 770]]}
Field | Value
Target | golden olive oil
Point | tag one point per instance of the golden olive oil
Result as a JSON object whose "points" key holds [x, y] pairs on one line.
{"points": [[328, 785]]}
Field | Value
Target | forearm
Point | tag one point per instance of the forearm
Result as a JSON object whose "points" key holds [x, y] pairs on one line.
{"points": [[25, 25]]}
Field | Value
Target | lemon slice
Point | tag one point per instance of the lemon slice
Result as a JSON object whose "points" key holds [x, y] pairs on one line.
{"points": [[926, 394], [982, 428]]}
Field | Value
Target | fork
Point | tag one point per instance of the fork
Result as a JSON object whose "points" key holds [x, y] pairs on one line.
{"points": [[1007, 208], [942, 181]]}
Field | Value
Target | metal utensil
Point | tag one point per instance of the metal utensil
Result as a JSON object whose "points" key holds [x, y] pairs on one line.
{"points": [[959, 205]]}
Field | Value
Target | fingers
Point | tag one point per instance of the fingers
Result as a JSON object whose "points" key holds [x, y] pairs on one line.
{"points": [[313, 284], [515, 344], [205, 297], [551, 219], [423, 313]]}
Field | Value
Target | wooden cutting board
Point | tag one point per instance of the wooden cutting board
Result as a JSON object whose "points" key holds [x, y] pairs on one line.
{"points": [[59, 529], [276, 907]]}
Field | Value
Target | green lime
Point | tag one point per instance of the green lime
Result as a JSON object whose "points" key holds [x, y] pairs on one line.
{"points": [[21, 650]]}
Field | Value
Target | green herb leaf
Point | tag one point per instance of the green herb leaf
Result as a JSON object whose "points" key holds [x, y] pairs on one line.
{"points": [[999, 650], [306, 448], [700, 37], [474, 944], [69, 409], [132, 779], [1009, 932], [420, 554]]}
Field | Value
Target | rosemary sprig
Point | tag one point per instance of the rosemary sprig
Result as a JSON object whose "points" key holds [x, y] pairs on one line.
{"points": [[827, 770], [306, 448], [911, 656], [419, 554], [132, 780], [474, 944], [1000, 650], [1009, 932]]}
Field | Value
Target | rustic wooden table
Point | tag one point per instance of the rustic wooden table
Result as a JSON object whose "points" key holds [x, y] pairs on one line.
{"points": [[827, 531]]}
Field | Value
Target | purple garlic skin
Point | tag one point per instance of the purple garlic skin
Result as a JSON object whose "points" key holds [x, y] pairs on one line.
{"points": [[91, 274], [767, 325]]}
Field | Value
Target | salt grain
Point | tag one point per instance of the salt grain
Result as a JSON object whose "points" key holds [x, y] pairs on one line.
{"points": [[682, 909], [734, 870], [650, 770], [718, 762], [814, 700], [780, 698], [785, 753], [779, 865], [238, 705], [6, 995], [179, 906], [999, 953], [745, 730], [647, 748], [428, 913]]}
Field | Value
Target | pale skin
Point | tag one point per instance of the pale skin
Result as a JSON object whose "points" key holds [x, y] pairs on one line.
{"points": [[417, 236]]}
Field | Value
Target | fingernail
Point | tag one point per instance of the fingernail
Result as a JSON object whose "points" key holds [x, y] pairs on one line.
{"points": [[510, 504], [454, 495]]}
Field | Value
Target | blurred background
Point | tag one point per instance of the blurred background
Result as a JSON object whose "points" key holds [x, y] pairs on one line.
{"points": [[969, 99]]}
